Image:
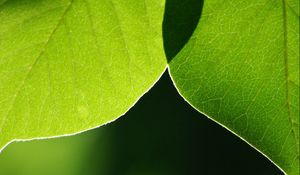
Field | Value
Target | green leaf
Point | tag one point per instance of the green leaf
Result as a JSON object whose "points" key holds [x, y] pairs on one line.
{"points": [[72, 65], [241, 68]]}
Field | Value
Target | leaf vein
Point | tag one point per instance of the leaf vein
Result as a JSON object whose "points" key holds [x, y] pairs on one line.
{"points": [[33, 65]]}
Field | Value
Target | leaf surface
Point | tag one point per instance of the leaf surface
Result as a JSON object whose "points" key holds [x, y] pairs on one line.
{"points": [[72, 65], [241, 68]]}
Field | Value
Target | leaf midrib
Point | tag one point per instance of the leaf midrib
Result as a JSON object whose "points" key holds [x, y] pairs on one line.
{"points": [[288, 98]]}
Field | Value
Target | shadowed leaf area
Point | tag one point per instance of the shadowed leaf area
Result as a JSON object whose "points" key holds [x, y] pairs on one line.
{"points": [[180, 20]]}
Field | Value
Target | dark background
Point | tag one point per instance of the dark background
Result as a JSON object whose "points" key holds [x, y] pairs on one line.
{"points": [[163, 135], [160, 135]]}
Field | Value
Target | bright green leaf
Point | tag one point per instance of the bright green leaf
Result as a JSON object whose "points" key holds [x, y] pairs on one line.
{"points": [[71, 65], [241, 68]]}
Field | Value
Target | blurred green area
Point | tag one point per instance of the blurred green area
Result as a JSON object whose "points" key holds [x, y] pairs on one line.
{"points": [[161, 135]]}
